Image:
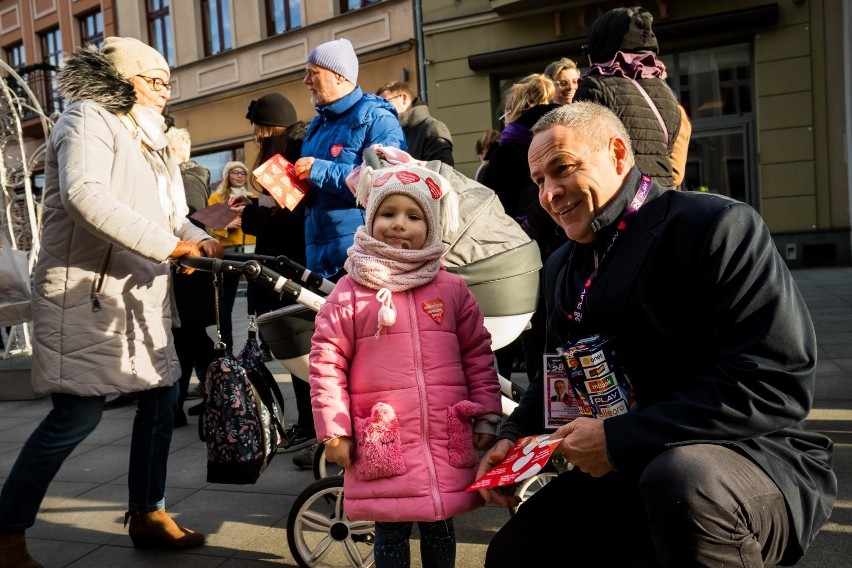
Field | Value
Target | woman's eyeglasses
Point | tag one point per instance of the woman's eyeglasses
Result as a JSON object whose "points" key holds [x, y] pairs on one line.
{"points": [[156, 83], [238, 172]]}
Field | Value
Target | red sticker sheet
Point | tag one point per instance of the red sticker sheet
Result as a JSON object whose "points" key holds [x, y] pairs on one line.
{"points": [[278, 176], [526, 458]]}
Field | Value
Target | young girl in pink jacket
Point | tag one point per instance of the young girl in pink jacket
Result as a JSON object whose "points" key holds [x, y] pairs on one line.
{"points": [[403, 384]]}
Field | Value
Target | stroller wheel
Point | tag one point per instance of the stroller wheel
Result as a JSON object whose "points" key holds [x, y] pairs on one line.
{"points": [[529, 486], [322, 467], [320, 534]]}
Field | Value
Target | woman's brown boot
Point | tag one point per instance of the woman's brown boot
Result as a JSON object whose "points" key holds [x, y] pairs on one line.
{"points": [[14, 553], [158, 530]]}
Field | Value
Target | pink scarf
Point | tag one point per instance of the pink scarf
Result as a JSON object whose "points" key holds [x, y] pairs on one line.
{"points": [[376, 265], [382, 267]]}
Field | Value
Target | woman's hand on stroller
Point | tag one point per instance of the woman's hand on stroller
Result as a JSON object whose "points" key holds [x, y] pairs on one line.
{"points": [[211, 248], [339, 450], [185, 248], [500, 496]]}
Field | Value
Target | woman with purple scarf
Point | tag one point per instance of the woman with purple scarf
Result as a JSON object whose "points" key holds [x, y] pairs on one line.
{"points": [[626, 77], [508, 174]]}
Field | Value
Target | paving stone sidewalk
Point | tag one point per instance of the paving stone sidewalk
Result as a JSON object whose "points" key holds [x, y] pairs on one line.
{"points": [[80, 524]]}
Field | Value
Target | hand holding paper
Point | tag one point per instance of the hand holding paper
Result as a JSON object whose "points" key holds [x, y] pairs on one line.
{"points": [[215, 217], [525, 459], [584, 445], [278, 176]]}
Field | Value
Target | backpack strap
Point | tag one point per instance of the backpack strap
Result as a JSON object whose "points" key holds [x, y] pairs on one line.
{"points": [[653, 109], [268, 383]]}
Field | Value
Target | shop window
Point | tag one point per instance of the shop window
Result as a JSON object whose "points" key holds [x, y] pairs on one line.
{"points": [[716, 88]]}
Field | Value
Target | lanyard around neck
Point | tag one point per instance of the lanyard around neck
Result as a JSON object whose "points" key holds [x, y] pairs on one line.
{"points": [[621, 224]]}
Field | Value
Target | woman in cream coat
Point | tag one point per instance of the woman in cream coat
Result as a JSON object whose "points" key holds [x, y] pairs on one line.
{"points": [[114, 216]]}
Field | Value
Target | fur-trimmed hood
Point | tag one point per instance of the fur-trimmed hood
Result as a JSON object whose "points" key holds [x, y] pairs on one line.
{"points": [[89, 75]]}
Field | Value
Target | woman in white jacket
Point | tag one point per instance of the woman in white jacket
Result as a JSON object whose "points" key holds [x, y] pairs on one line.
{"points": [[114, 216]]}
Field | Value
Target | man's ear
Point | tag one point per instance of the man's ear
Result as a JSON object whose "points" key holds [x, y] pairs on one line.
{"points": [[620, 156]]}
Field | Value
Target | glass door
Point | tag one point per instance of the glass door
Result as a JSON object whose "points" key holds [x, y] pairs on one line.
{"points": [[715, 86], [719, 161]]}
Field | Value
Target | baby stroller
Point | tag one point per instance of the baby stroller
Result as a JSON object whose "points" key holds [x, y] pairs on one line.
{"points": [[500, 264]]}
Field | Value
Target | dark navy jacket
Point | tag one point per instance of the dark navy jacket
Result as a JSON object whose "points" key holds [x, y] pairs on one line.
{"points": [[713, 333]]}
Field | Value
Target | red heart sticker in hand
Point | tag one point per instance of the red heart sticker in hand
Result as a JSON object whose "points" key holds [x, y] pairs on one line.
{"points": [[433, 188], [382, 179], [407, 177], [434, 309], [336, 150]]}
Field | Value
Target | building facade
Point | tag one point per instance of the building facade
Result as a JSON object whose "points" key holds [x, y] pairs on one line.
{"points": [[766, 86], [223, 53]]}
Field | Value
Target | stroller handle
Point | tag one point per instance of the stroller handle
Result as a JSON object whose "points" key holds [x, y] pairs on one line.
{"points": [[289, 268], [256, 272]]}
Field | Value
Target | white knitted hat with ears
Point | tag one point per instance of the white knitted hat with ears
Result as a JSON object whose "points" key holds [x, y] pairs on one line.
{"points": [[429, 189]]}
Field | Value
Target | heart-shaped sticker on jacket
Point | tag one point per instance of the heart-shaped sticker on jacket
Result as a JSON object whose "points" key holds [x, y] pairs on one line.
{"points": [[434, 309], [336, 150]]}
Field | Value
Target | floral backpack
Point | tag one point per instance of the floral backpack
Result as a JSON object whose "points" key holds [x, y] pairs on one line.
{"points": [[242, 420]]}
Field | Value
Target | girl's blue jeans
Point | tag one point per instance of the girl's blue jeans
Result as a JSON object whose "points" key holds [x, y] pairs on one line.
{"points": [[70, 421], [437, 544]]}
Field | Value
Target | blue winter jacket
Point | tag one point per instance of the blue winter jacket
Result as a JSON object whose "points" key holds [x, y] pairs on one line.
{"points": [[336, 138]]}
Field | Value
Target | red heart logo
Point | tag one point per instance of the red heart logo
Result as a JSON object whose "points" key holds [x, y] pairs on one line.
{"points": [[336, 150], [407, 177], [433, 188], [382, 179], [434, 309]]}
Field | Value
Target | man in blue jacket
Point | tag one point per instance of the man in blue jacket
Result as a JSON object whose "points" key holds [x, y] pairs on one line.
{"points": [[348, 121]]}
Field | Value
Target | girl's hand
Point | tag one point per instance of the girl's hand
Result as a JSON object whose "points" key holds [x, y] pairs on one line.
{"points": [[339, 451], [482, 441], [235, 224]]}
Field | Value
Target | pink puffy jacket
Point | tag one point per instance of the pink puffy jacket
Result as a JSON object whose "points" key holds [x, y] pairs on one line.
{"points": [[407, 396]]}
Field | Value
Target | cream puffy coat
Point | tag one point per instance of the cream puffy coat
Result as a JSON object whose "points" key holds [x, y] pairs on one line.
{"points": [[102, 308]]}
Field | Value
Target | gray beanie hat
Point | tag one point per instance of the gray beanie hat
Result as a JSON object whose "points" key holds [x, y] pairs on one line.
{"points": [[338, 56]]}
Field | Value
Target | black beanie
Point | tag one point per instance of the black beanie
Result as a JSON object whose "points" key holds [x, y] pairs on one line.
{"points": [[621, 29], [272, 110]]}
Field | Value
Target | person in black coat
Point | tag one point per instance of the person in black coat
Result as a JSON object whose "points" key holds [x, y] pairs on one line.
{"points": [[713, 466], [508, 174], [279, 231], [622, 50], [194, 295]]}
